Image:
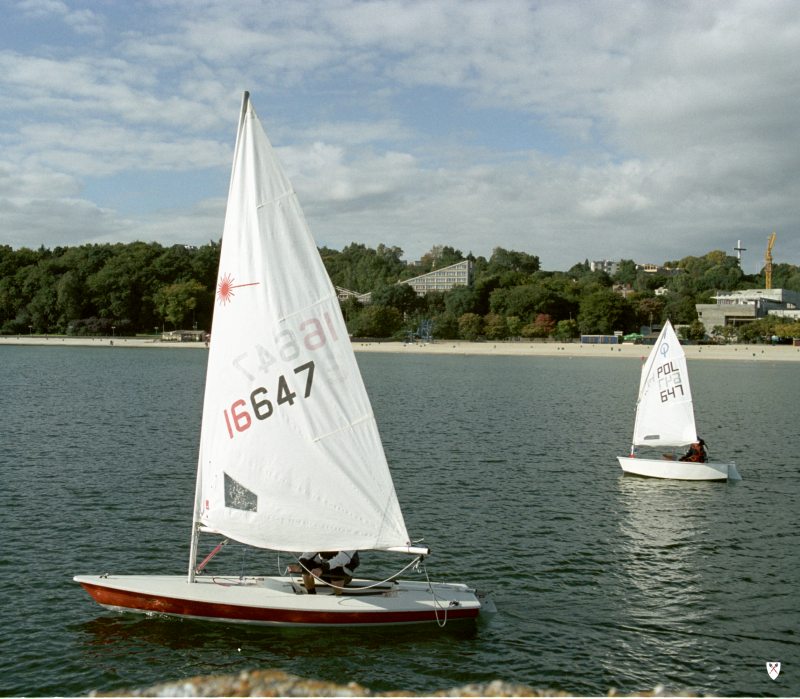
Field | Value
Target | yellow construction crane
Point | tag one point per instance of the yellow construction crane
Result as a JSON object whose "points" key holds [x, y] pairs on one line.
{"points": [[768, 262]]}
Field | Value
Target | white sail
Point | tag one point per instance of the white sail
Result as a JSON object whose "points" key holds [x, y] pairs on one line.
{"points": [[664, 411], [290, 455]]}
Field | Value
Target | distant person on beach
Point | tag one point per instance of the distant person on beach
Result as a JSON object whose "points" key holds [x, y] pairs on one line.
{"points": [[334, 567], [697, 452]]}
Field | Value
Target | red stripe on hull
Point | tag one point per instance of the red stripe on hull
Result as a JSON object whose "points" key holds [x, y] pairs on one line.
{"points": [[134, 601]]}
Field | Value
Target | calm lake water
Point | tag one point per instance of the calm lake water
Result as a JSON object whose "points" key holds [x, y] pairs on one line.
{"points": [[506, 465]]}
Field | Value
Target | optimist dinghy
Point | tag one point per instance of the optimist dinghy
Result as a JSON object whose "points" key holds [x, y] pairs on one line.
{"points": [[665, 418]]}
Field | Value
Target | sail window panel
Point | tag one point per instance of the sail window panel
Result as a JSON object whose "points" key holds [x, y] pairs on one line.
{"points": [[237, 497]]}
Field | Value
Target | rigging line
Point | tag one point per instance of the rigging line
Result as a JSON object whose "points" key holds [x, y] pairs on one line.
{"points": [[244, 562], [211, 555], [436, 604]]}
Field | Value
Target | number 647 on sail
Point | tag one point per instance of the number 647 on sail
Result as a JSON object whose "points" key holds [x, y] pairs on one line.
{"points": [[240, 419]]}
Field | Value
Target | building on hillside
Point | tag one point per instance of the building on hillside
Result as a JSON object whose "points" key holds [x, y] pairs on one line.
{"points": [[607, 266], [611, 268], [738, 307], [444, 279], [624, 290], [344, 294]]}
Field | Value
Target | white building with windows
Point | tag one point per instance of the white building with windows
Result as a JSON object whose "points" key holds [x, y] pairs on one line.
{"points": [[607, 266], [737, 307], [444, 279]]}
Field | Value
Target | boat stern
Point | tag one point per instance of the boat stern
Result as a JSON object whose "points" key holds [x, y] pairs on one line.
{"points": [[488, 607], [733, 473]]}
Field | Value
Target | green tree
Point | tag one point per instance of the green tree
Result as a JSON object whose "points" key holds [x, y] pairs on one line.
{"points": [[543, 326], [461, 300], [503, 260], [176, 302], [626, 273], [363, 269], [566, 330], [695, 331], [495, 326], [377, 321], [680, 309], [470, 326], [399, 296], [514, 324], [437, 257], [785, 276], [649, 309], [788, 330], [124, 287], [445, 326], [727, 333], [603, 312]]}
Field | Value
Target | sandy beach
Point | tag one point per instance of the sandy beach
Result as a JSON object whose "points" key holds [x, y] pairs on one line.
{"points": [[761, 353]]}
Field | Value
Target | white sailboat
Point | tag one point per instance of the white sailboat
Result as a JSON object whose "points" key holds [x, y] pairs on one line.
{"points": [[290, 455], [665, 418]]}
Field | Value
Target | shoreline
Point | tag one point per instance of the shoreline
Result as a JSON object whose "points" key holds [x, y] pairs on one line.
{"points": [[771, 353]]}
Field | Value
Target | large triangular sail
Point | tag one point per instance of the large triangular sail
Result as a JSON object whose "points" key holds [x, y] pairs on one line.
{"points": [[290, 455], [664, 410]]}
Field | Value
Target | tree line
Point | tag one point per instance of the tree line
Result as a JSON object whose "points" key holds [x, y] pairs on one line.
{"points": [[145, 288]]}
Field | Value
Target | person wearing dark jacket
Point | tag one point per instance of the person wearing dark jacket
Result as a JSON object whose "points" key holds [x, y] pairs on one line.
{"points": [[697, 452], [335, 567]]}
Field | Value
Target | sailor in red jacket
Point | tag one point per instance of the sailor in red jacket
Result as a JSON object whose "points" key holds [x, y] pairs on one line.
{"points": [[697, 452]]}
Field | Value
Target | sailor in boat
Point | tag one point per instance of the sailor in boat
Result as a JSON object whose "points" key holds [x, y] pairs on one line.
{"points": [[697, 452], [333, 567]]}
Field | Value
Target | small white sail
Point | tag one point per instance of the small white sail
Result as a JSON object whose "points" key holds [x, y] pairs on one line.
{"points": [[664, 411], [290, 455]]}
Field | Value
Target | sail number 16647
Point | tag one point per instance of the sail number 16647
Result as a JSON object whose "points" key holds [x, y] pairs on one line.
{"points": [[239, 417]]}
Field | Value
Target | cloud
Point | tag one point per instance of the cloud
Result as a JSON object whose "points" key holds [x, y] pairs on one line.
{"points": [[642, 129], [84, 22]]}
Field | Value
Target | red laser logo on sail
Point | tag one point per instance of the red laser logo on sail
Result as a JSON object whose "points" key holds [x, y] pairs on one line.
{"points": [[226, 286]]}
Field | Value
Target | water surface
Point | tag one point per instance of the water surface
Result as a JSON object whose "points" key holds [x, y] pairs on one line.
{"points": [[505, 465]]}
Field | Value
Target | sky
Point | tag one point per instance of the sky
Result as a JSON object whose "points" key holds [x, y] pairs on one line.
{"points": [[649, 130]]}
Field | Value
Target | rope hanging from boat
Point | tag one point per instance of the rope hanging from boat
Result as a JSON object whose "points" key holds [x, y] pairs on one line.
{"points": [[436, 604]]}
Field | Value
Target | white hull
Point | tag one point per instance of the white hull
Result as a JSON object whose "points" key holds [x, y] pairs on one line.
{"points": [[678, 470], [282, 601]]}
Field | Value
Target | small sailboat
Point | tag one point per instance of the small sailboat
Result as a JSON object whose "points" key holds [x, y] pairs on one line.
{"points": [[665, 418], [290, 455]]}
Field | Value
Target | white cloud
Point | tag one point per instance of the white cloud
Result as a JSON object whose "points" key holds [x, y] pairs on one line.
{"points": [[569, 130]]}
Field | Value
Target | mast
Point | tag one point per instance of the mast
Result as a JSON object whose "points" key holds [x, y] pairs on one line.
{"points": [[198, 483]]}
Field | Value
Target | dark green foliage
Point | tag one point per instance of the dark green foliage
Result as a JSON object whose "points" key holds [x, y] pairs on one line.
{"points": [[107, 289], [398, 296], [603, 311], [143, 287], [376, 321], [359, 268]]}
